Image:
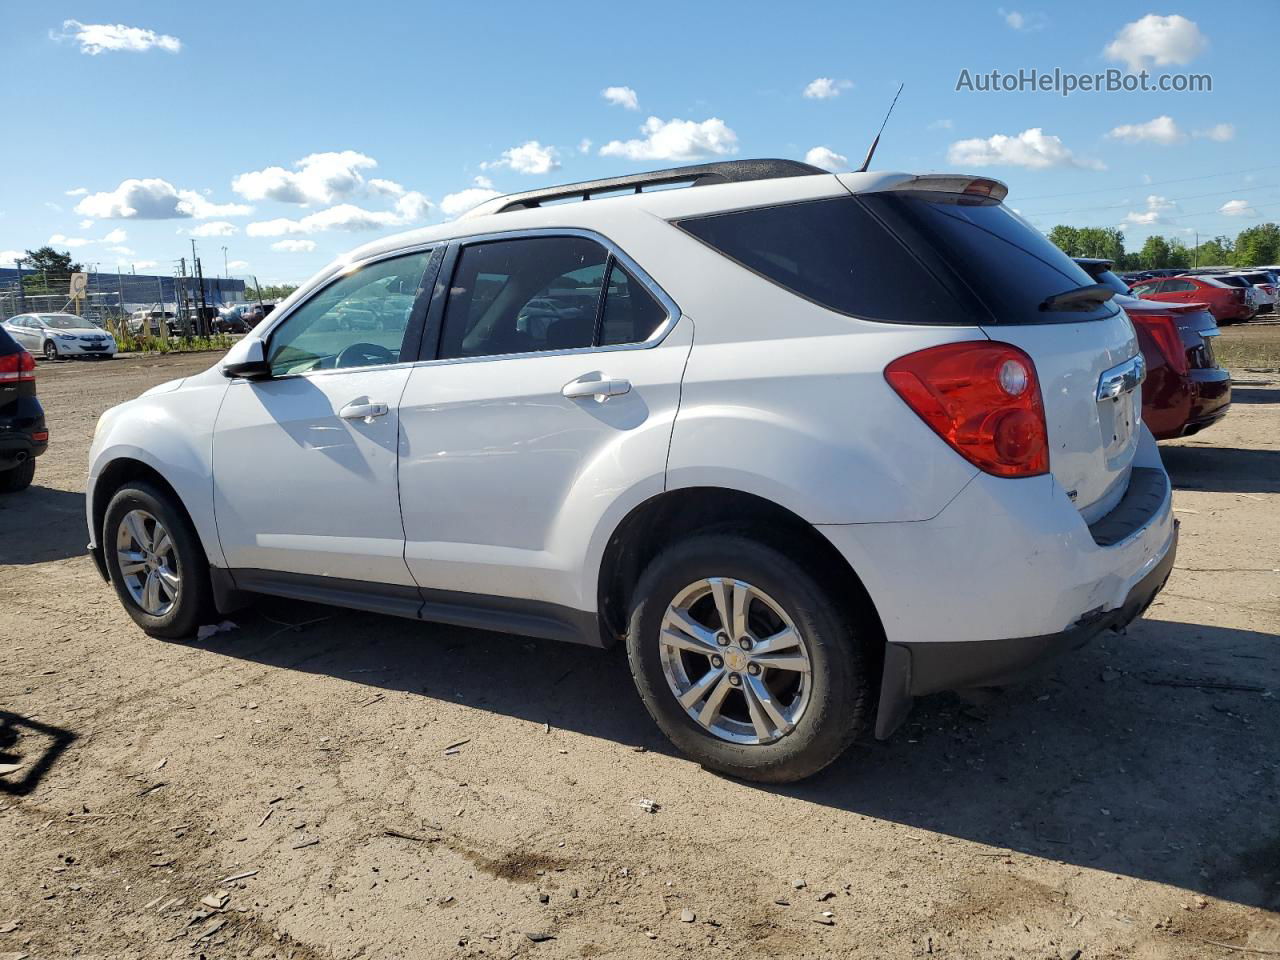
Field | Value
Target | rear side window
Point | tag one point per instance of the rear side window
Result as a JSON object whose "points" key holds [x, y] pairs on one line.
{"points": [[535, 294], [835, 253], [904, 257]]}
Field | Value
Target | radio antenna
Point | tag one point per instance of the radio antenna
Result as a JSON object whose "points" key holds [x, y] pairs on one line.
{"points": [[876, 142]]}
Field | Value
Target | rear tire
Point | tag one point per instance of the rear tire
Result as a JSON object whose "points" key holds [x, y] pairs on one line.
{"points": [[18, 478], [165, 586], [825, 702]]}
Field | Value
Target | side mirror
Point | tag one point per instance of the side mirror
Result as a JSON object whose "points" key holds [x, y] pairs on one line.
{"points": [[247, 359]]}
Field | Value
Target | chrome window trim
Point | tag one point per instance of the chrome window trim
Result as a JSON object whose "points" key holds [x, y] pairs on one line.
{"points": [[641, 275]]}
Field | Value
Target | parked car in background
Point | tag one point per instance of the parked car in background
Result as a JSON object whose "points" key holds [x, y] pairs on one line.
{"points": [[230, 320], [540, 444], [1229, 303], [23, 433], [143, 323], [1265, 283], [58, 335], [1185, 389]]}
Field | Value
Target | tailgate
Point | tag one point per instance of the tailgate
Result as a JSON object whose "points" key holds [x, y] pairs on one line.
{"points": [[1092, 403]]}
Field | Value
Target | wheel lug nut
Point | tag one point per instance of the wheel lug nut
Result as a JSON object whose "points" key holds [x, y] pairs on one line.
{"points": [[735, 680], [745, 643], [753, 669], [722, 639], [717, 662]]}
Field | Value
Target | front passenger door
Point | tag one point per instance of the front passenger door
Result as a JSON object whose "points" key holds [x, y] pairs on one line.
{"points": [[305, 463]]}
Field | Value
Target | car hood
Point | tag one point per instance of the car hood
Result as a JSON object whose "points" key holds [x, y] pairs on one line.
{"points": [[167, 387]]}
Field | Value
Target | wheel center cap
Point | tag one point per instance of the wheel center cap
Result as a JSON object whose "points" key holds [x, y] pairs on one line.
{"points": [[735, 660]]}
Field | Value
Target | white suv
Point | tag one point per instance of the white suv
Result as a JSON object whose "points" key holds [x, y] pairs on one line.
{"points": [[810, 444]]}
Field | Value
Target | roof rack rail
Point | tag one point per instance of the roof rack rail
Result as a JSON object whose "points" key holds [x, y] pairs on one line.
{"points": [[700, 174]]}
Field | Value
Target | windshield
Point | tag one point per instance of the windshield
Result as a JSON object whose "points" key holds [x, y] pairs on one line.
{"points": [[62, 322]]}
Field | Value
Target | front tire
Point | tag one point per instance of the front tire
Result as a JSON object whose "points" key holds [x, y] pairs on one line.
{"points": [[50, 350], [18, 478], [745, 661], [157, 565]]}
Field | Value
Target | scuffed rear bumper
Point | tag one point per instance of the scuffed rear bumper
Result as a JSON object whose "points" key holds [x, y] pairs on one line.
{"points": [[916, 669]]}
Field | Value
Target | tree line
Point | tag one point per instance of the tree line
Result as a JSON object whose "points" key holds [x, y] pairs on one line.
{"points": [[1251, 247]]}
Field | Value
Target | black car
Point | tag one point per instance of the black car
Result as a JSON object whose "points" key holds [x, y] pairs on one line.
{"points": [[23, 434]]}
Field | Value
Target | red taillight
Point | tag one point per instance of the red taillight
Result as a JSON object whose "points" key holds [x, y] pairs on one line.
{"points": [[1163, 329], [40, 436], [17, 367], [983, 399]]}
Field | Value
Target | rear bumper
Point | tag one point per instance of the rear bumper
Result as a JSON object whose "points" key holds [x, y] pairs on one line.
{"points": [[1207, 398], [916, 669], [17, 433]]}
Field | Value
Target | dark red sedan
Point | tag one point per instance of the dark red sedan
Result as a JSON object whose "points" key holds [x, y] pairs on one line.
{"points": [[1227, 303], [1185, 390]]}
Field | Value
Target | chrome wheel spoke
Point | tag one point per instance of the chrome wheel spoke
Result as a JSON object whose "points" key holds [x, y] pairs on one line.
{"points": [[796, 662], [785, 639], [131, 561], [758, 719], [710, 711], [169, 580], [758, 693], [163, 542], [137, 528], [151, 593], [695, 693], [682, 631], [743, 593], [722, 594]]}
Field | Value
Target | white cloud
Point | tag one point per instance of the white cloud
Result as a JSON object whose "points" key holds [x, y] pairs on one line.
{"points": [[77, 192], [143, 264], [1016, 20], [85, 224], [214, 228], [824, 88], [621, 97], [1221, 132], [154, 199], [1158, 41], [346, 216], [318, 178], [1161, 130], [58, 240], [1031, 148], [483, 181], [123, 251], [584, 145], [1156, 212], [529, 157], [115, 236], [676, 140], [294, 246], [96, 38], [388, 188], [11, 257], [941, 125], [238, 265], [456, 204], [827, 159], [1237, 208]]}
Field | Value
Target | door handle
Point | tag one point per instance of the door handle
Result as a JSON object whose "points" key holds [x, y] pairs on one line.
{"points": [[363, 411], [601, 389]]}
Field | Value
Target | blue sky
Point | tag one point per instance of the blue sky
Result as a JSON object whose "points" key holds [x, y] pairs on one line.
{"points": [[149, 122]]}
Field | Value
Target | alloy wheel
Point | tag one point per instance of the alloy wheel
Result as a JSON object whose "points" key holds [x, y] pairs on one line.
{"points": [[735, 661], [148, 563]]}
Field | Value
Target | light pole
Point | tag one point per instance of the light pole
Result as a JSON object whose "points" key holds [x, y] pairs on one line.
{"points": [[225, 272]]}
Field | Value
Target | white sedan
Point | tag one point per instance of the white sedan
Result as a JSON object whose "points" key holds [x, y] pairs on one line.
{"points": [[57, 335]]}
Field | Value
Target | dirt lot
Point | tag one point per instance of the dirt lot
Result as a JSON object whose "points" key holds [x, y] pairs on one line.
{"points": [[1125, 804]]}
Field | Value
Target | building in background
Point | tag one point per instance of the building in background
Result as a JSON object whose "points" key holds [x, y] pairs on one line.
{"points": [[114, 292]]}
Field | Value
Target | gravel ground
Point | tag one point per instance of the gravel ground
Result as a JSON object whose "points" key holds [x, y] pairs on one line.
{"points": [[319, 783]]}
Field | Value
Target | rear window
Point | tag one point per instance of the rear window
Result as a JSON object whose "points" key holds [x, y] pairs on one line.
{"points": [[903, 257], [1233, 281]]}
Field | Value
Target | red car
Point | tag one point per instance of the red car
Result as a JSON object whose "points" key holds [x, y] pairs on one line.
{"points": [[1185, 390], [1227, 303]]}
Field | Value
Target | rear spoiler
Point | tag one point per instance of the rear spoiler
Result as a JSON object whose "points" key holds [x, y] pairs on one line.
{"points": [[951, 183]]}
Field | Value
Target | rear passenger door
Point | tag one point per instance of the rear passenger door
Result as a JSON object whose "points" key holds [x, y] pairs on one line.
{"points": [[546, 396]]}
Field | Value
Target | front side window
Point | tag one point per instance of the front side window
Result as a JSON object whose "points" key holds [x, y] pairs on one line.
{"points": [[359, 320]]}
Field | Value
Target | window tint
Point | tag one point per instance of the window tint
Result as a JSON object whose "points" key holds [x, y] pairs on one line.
{"points": [[835, 253], [1178, 286], [523, 296], [359, 320], [631, 314]]}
